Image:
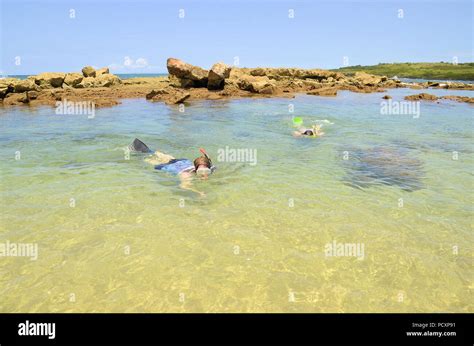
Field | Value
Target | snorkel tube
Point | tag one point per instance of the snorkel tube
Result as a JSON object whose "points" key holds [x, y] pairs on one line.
{"points": [[205, 154], [212, 167]]}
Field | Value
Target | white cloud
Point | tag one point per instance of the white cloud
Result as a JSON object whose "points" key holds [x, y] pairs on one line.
{"points": [[141, 62], [130, 64]]}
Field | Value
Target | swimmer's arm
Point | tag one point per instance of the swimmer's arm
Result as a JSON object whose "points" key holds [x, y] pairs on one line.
{"points": [[186, 183], [297, 134]]}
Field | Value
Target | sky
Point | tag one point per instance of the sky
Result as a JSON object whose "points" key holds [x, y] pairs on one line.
{"points": [[137, 36]]}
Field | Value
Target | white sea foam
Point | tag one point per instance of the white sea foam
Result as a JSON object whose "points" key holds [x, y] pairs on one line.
{"points": [[326, 121]]}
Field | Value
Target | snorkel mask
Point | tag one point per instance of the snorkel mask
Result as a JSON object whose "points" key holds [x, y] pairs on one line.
{"points": [[205, 171]]}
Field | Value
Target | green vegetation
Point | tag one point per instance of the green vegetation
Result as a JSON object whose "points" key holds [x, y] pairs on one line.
{"points": [[422, 70]]}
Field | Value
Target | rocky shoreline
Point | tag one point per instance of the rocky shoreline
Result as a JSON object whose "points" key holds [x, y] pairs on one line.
{"points": [[187, 82]]}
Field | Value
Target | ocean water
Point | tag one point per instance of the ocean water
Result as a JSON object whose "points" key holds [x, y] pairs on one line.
{"points": [[115, 235], [121, 75]]}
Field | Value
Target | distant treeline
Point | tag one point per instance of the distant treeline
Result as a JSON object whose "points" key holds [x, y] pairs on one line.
{"points": [[422, 70]]}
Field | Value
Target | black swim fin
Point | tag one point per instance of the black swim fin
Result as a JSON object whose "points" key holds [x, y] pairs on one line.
{"points": [[138, 146]]}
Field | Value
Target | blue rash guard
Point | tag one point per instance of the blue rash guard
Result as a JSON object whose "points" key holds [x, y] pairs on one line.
{"points": [[176, 166]]}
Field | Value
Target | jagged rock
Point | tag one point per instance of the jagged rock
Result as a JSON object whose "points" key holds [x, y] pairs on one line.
{"points": [[182, 70], [23, 98], [361, 88], [152, 94], [5, 82], [285, 73], [15, 99], [387, 97], [457, 85], [7, 85], [268, 90], [368, 79], [391, 83], [24, 85], [323, 92], [73, 79], [106, 80], [459, 98], [50, 80], [89, 71], [422, 96], [32, 95], [101, 71], [258, 72], [307, 83], [180, 82], [178, 97], [217, 74], [87, 82], [254, 84], [3, 92]]}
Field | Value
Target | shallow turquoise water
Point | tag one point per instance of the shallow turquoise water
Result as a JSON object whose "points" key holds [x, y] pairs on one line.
{"points": [[134, 241]]}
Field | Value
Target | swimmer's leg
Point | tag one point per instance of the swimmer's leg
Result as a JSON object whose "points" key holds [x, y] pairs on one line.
{"points": [[297, 134], [159, 158]]}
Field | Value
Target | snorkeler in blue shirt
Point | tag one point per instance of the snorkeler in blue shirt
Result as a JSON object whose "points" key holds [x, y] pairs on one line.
{"points": [[183, 168]]}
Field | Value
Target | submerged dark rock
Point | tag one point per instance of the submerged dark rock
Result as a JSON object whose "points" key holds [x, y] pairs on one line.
{"points": [[383, 166]]}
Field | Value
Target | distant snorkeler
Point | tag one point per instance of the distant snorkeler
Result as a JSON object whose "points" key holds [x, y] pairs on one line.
{"points": [[314, 131], [183, 168]]}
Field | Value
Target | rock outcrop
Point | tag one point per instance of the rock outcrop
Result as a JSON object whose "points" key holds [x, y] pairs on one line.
{"points": [[86, 82], [25, 85], [323, 92], [17, 91], [429, 97], [106, 80], [188, 82], [50, 80], [254, 84], [88, 71], [186, 75], [458, 98], [369, 79], [169, 96], [101, 71], [73, 79], [294, 73], [217, 75], [422, 96], [177, 97]]}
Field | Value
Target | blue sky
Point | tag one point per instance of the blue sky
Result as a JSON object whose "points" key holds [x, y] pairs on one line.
{"points": [[138, 36]]}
